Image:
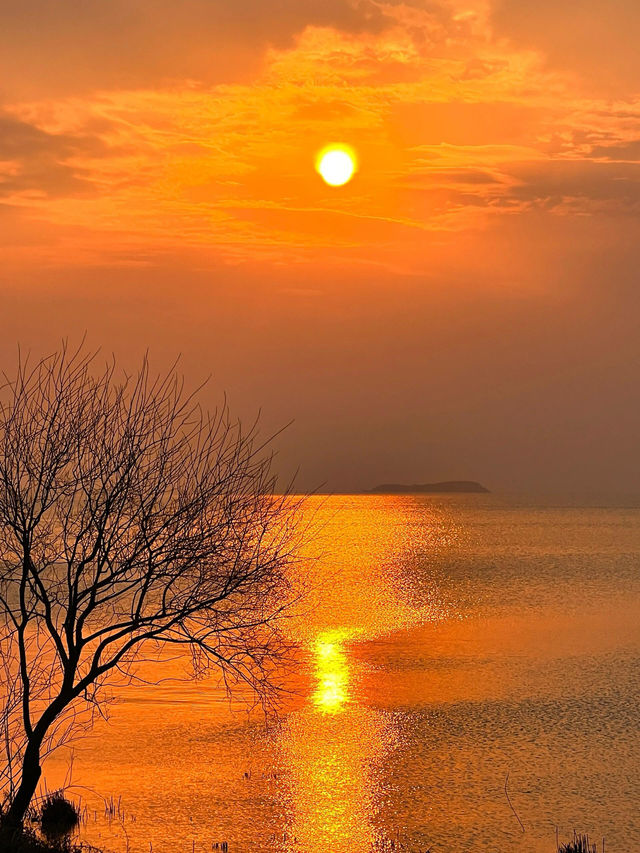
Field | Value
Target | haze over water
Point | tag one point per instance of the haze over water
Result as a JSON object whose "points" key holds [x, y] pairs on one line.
{"points": [[447, 642]]}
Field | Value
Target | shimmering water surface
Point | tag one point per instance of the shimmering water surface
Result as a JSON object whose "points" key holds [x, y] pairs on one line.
{"points": [[450, 641]]}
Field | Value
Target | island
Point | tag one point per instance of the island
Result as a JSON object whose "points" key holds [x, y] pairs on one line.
{"points": [[456, 486]]}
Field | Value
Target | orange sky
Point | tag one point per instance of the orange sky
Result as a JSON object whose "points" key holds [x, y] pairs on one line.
{"points": [[465, 307]]}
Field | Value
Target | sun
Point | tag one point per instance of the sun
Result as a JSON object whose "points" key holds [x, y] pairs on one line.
{"points": [[336, 164]]}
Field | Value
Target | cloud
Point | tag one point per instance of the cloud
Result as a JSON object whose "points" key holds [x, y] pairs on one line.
{"points": [[629, 151], [459, 123], [573, 187], [35, 161], [553, 183], [79, 46], [466, 176], [598, 39]]}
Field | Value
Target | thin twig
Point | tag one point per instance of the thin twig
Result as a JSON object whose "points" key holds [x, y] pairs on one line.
{"points": [[506, 793]]}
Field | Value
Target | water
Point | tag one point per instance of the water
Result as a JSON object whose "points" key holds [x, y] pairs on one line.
{"points": [[450, 641]]}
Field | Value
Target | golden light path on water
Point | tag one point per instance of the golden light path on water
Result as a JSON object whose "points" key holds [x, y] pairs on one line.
{"points": [[329, 746], [332, 744]]}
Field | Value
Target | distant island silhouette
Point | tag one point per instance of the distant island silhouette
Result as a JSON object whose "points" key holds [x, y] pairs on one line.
{"points": [[460, 486]]}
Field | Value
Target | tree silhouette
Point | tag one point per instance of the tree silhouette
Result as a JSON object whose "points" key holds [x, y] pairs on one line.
{"points": [[130, 519]]}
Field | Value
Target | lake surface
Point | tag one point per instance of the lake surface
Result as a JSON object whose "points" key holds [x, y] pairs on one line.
{"points": [[450, 641]]}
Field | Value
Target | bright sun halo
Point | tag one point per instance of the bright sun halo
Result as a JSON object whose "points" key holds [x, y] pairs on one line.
{"points": [[336, 165]]}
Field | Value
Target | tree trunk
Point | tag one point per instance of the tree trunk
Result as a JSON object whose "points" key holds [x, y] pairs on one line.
{"points": [[31, 772]]}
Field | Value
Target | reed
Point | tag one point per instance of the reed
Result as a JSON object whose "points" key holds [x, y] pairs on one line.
{"points": [[58, 816], [48, 828], [579, 844], [26, 840]]}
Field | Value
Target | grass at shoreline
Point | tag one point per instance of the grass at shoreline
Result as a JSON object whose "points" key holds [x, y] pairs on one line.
{"points": [[50, 830]]}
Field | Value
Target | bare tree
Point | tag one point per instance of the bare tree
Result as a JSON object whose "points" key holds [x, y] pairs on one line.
{"points": [[129, 519]]}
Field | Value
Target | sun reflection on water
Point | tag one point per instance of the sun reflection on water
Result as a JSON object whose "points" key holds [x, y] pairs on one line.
{"points": [[332, 676], [330, 746]]}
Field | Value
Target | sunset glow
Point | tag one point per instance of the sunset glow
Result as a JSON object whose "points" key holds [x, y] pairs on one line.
{"points": [[319, 425]]}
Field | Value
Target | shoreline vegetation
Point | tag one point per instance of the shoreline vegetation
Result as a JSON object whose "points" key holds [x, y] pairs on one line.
{"points": [[579, 844], [52, 825]]}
